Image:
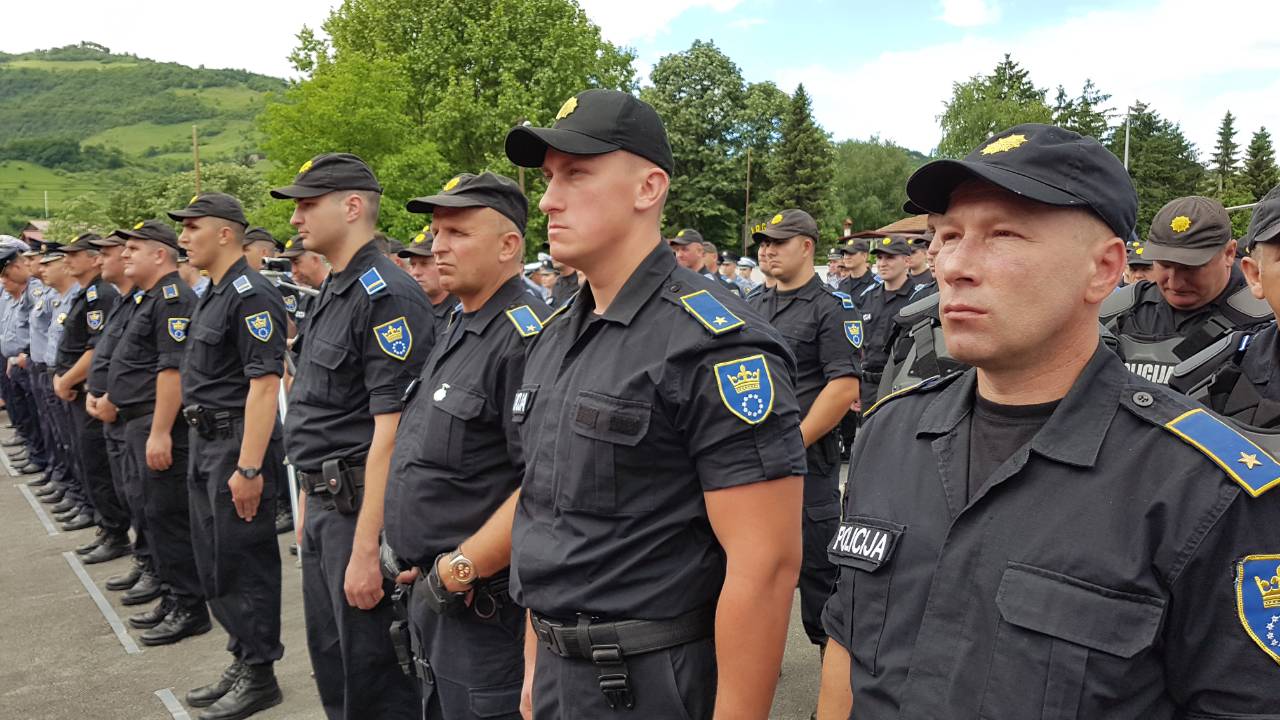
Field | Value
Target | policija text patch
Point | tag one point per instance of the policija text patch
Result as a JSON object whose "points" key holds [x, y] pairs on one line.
{"points": [[864, 543]]}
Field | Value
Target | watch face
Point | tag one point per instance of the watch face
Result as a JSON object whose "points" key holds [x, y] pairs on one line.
{"points": [[462, 570]]}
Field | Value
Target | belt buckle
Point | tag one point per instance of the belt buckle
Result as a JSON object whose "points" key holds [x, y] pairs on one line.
{"points": [[546, 632]]}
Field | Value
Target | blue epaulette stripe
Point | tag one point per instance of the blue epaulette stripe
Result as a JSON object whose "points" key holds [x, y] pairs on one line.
{"points": [[1254, 469]]}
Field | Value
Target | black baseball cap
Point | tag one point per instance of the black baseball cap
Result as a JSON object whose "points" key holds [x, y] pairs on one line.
{"points": [[1188, 231], [83, 241], [292, 248], [595, 122], [259, 234], [420, 245], [484, 190], [1043, 163], [918, 243], [1137, 254], [890, 245], [112, 239], [687, 236], [8, 254], [212, 204], [1264, 226], [728, 257], [786, 225], [54, 256], [156, 230], [328, 173], [857, 245]]}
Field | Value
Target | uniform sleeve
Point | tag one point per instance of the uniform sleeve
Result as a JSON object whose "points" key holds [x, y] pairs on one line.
{"points": [[103, 305], [840, 341], [173, 319], [1223, 655], [392, 341], [744, 434], [260, 327]]}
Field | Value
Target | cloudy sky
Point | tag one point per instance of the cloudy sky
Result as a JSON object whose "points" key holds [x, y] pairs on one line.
{"points": [[873, 68]]}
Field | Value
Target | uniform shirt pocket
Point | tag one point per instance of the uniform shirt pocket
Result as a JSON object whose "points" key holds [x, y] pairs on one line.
{"points": [[1053, 628], [864, 548], [207, 338], [452, 407], [319, 386], [606, 430]]}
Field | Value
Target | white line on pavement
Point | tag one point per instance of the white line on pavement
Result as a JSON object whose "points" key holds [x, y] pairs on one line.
{"points": [[108, 612], [172, 705], [35, 505]]}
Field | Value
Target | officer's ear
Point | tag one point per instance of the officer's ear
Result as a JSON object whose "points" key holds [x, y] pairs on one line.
{"points": [[1252, 270], [652, 189]]}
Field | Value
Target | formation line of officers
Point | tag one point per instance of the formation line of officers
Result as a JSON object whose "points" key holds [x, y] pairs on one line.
{"points": [[527, 503]]}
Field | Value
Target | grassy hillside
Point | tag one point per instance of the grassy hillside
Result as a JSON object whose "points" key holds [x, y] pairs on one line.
{"points": [[79, 121]]}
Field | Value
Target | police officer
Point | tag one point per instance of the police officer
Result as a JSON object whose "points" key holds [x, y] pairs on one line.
{"points": [[1046, 535], [140, 581], [1140, 266], [879, 304], [711, 265], [835, 268], [918, 261], [450, 499], [230, 388], [361, 349], [662, 493], [824, 331], [21, 292], [1236, 376], [143, 383], [58, 472], [858, 276], [566, 284], [1198, 294], [423, 269], [81, 329], [191, 275], [687, 247], [746, 283]]}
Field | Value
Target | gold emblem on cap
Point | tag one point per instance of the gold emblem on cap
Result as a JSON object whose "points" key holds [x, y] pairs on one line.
{"points": [[194, 198], [1182, 223], [288, 243], [305, 167], [886, 241], [452, 183], [776, 219], [680, 234], [1138, 251], [420, 238], [1004, 144], [567, 108], [138, 226]]}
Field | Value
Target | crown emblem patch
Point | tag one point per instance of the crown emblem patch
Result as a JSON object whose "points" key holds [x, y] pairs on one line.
{"points": [[746, 388]]}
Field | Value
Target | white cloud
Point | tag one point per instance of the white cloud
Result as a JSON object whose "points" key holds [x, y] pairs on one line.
{"points": [[1147, 54], [243, 34], [625, 23], [969, 13], [747, 23]]}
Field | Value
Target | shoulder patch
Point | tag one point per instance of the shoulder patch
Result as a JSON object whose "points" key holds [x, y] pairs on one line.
{"points": [[91, 294], [260, 325], [170, 291], [137, 297], [1249, 465], [853, 331], [527, 324], [920, 386], [712, 313], [291, 303], [373, 282], [394, 337], [242, 284], [1257, 592], [94, 319], [845, 300], [178, 328], [746, 388]]}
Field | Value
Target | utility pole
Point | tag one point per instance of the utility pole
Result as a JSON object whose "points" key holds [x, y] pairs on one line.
{"points": [[46, 204], [195, 151], [746, 209]]}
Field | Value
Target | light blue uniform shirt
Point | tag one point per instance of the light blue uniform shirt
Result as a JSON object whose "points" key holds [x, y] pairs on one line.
{"points": [[61, 305], [15, 338]]}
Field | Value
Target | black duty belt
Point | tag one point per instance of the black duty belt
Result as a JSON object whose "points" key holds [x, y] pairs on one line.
{"points": [[342, 479], [211, 423], [129, 413], [607, 644]]}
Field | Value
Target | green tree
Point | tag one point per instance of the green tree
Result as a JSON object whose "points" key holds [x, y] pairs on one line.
{"points": [[153, 197], [803, 167], [1162, 163], [760, 134], [870, 181], [1086, 113], [1225, 152], [1260, 173], [699, 93], [986, 104]]}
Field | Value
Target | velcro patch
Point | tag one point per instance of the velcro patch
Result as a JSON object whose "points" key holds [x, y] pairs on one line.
{"points": [[170, 291], [260, 325], [242, 285], [372, 281], [394, 337], [527, 324], [94, 319], [853, 331], [1249, 465], [291, 303], [91, 294], [709, 311], [864, 543], [746, 388], [1258, 601], [178, 328]]}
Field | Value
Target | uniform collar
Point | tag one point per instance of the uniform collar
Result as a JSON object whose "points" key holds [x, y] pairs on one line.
{"points": [[1073, 434], [808, 291], [907, 288], [506, 296], [360, 262], [238, 268], [636, 291]]}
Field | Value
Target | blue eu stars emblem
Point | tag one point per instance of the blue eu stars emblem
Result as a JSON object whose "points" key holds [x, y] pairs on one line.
{"points": [[260, 326], [178, 328], [746, 388], [394, 338], [853, 331], [291, 303], [1258, 600]]}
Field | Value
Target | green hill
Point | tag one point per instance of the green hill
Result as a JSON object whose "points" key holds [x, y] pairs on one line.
{"points": [[80, 121]]}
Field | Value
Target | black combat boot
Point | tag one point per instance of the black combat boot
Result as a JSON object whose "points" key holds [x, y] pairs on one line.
{"points": [[256, 689], [209, 694]]}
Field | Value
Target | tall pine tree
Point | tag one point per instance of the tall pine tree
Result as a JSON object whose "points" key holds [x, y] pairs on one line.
{"points": [[1225, 152], [802, 169], [1260, 173]]}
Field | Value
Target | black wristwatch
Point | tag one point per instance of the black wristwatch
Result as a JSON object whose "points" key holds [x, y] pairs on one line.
{"points": [[249, 472]]}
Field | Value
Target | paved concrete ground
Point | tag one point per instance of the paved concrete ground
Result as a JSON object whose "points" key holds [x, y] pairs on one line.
{"points": [[60, 658]]}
